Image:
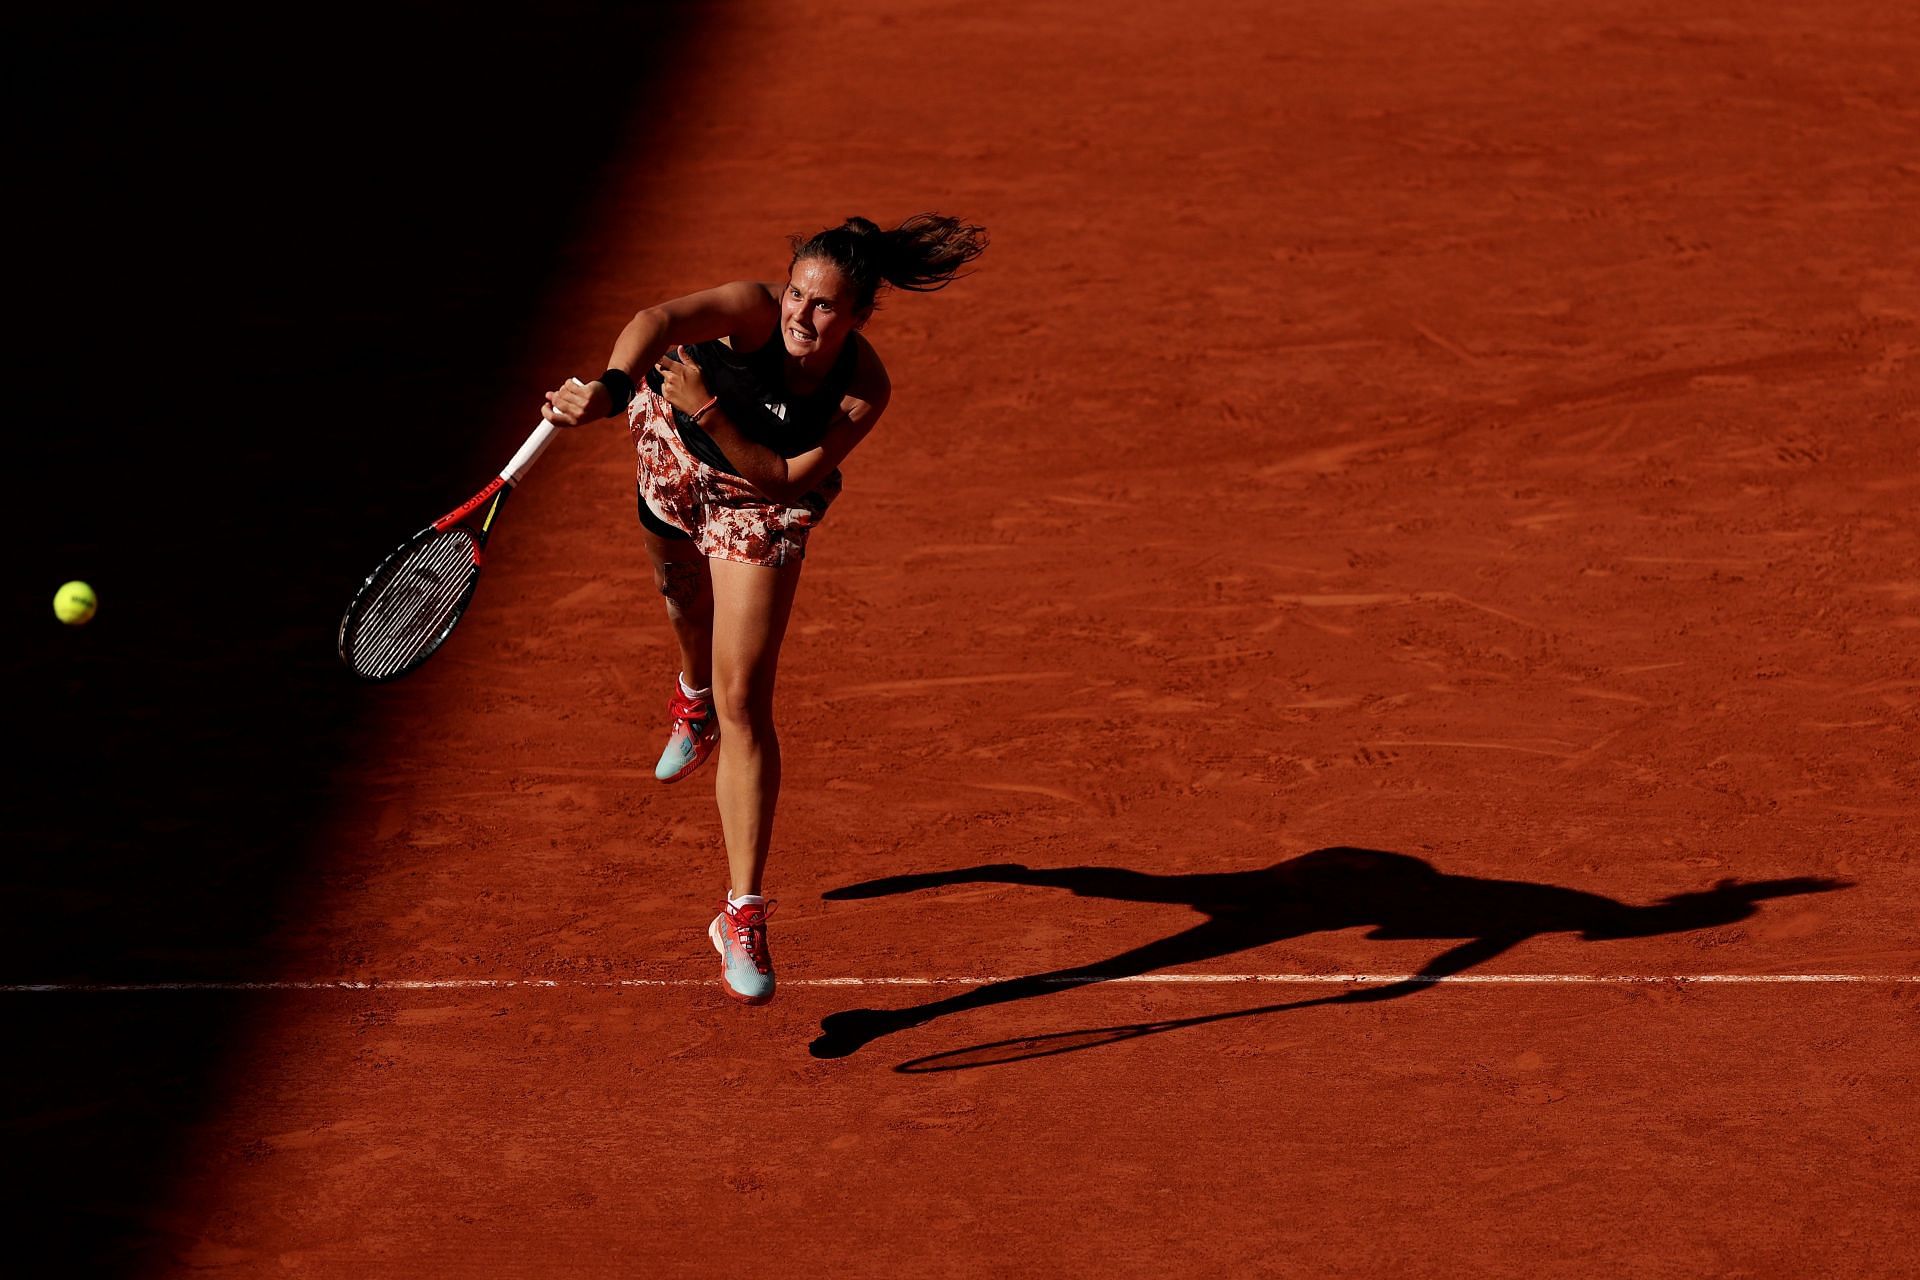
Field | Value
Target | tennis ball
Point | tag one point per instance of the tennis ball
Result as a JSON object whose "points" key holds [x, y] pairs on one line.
{"points": [[74, 603]]}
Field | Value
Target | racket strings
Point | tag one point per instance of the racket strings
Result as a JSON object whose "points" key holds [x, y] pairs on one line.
{"points": [[412, 611]]}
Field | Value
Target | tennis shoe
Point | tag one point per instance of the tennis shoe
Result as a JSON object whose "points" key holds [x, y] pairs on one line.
{"points": [[739, 934], [695, 731]]}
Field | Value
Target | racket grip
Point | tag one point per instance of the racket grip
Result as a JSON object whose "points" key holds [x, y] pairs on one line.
{"points": [[530, 451]]}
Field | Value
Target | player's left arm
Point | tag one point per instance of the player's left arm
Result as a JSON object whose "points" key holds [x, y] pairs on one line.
{"points": [[860, 409], [788, 479]]}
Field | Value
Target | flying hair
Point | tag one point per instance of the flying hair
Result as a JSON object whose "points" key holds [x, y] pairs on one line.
{"points": [[924, 253]]}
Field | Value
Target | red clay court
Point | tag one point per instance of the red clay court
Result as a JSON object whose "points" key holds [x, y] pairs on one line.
{"points": [[1412, 524]]}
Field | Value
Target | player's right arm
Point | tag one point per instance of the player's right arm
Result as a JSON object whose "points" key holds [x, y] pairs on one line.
{"points": [[744, 311]]}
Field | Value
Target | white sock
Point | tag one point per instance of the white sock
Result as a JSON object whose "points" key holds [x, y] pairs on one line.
{"points": [[746, 900], [688, 691]]}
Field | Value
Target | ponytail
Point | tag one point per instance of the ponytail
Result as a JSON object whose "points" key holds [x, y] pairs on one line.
{"points": [[924, 253]]}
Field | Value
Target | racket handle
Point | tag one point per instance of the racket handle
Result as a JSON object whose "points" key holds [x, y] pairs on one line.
{"points": [[536, 445], [529, 453]]}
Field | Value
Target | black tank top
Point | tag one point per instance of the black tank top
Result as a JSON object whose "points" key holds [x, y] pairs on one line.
{"points": [[752, 390]]}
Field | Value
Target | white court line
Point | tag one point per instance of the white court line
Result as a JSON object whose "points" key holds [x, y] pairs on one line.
{"points": [[1150, 979]]}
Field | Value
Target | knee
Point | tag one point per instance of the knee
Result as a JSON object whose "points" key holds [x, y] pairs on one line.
{"points": [[744, 704]]}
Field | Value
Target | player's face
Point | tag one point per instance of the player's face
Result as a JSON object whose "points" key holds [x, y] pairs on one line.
{"points": [[817, 311]]}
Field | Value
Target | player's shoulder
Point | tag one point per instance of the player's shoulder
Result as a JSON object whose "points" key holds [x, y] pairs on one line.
{"points": [[754, 306], [869, 381], [753, 297]]}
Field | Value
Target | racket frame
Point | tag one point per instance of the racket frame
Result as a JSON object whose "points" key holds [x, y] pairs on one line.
{"points": [[493, 496]]}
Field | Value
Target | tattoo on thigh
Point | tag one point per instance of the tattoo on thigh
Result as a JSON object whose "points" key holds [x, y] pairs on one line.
{"points": [[680, 582]]}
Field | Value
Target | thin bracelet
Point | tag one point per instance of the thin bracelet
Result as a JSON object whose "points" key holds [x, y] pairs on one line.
{"points": [[697, 414]]}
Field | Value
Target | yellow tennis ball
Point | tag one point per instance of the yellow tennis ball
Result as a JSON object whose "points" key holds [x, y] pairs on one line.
{"points": [[74, 603]]}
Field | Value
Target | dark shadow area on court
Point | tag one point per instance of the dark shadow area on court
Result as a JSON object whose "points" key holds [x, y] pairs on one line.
{"points": [[1397, 896], [272, 275]]}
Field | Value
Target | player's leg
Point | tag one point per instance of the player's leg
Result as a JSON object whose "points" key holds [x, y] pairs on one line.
{"points": [[752, 604], [680, 574]]}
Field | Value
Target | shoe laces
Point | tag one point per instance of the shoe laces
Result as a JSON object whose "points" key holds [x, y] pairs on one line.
{"points": [[749, 927], [690, 711]]}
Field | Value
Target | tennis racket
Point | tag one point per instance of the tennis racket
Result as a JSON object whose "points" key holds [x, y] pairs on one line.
{"points": [[408, 606]]}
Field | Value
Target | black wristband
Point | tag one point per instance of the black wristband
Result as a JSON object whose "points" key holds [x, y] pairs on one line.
{"points": [[619, 384]]}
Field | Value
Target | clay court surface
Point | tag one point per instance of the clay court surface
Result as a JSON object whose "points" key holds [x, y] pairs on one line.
{"points": [[1461, 457]]}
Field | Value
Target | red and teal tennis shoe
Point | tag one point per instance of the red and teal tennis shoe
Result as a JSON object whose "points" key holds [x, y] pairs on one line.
{"points": [[739, 934], [695, 731]]}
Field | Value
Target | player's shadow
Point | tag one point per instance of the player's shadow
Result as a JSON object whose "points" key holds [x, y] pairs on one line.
{"points": [[1401, 897]]}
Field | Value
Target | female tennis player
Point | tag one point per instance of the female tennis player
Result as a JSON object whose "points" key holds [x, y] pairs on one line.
{"points": [[750, 397]]}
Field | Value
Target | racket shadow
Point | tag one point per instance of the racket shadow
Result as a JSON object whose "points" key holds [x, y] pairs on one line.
{"points": [[999, 1053], [1397, 896], [1052, 1044]]}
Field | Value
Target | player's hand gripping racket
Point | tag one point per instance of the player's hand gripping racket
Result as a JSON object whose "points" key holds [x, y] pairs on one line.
{"points": [[408, 606]]}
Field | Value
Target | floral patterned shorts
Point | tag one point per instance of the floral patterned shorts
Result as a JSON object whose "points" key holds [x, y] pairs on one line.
{"points": [[725, 516]]}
